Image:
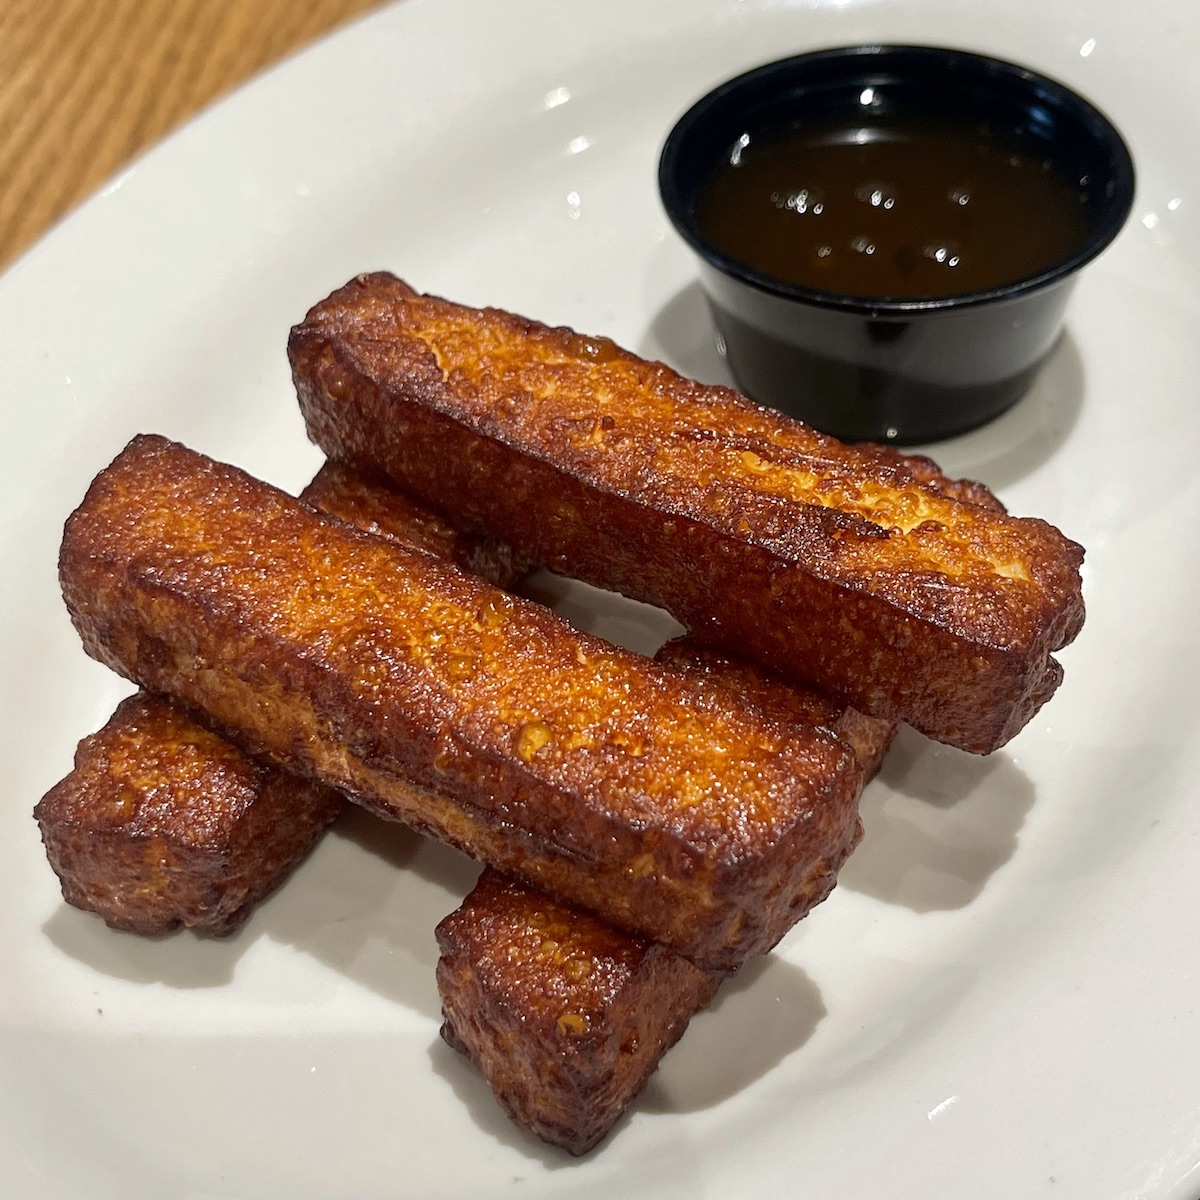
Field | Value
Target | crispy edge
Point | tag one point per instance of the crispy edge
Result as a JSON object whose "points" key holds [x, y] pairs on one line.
{"points": [[368, 501], [566, 1018], [593, 1058], [716, 911], [163, 823], [972, 677]]}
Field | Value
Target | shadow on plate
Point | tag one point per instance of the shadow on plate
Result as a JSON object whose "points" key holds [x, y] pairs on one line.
{"points": [[179, 960], [358, 914], [1000, 454], [629, 623], [365, 918], [683, 336], [768, 1010], [938, 824], [1021, 440]]}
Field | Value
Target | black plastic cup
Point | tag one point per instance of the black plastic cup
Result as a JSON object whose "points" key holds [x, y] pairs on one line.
{"points": [[880, 369]]}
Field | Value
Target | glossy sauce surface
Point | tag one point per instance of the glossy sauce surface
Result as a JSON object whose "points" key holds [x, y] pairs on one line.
{"points": [[896, 207]]}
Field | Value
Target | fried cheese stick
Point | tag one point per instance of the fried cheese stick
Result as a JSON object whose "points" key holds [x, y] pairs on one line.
{"points": [[616, 784], [565, 1018], [857, 569], [164, 823]]}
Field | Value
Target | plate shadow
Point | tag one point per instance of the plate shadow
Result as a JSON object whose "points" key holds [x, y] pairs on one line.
{"points": [[361, 918], [938, 824], [768, 1010]]}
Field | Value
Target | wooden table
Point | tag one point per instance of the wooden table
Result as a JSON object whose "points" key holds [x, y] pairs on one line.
{"points": [[86, 84]]}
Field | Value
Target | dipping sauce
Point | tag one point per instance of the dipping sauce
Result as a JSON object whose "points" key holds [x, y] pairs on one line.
{"points": [[895, 207]]}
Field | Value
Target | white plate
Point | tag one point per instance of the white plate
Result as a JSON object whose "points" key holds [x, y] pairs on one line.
{"points": [[1001, 998]]}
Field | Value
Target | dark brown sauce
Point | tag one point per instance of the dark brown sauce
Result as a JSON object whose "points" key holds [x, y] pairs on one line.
{"points": [[904, 208]]}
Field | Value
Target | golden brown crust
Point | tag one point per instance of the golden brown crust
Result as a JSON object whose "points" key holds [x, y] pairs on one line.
{"points": [[370, 502], [565, 1017], [926, 472], [484, 719], [856, 568], [782, 700], [163, 823]]}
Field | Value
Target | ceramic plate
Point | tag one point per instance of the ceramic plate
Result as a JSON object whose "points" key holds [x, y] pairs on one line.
{"points": [[1000, 998]]}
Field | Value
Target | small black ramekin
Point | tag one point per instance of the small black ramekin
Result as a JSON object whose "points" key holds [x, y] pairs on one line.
{"points": [[910, 370]]}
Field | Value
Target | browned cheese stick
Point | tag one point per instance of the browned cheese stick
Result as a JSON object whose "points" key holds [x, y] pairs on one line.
{"points": [[614, 783], [857, 569], [165, 823], [565, 1017], [372, 503]]}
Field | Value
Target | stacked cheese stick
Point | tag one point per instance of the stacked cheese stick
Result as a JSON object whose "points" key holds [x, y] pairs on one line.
{"points": [[693, 807]]}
